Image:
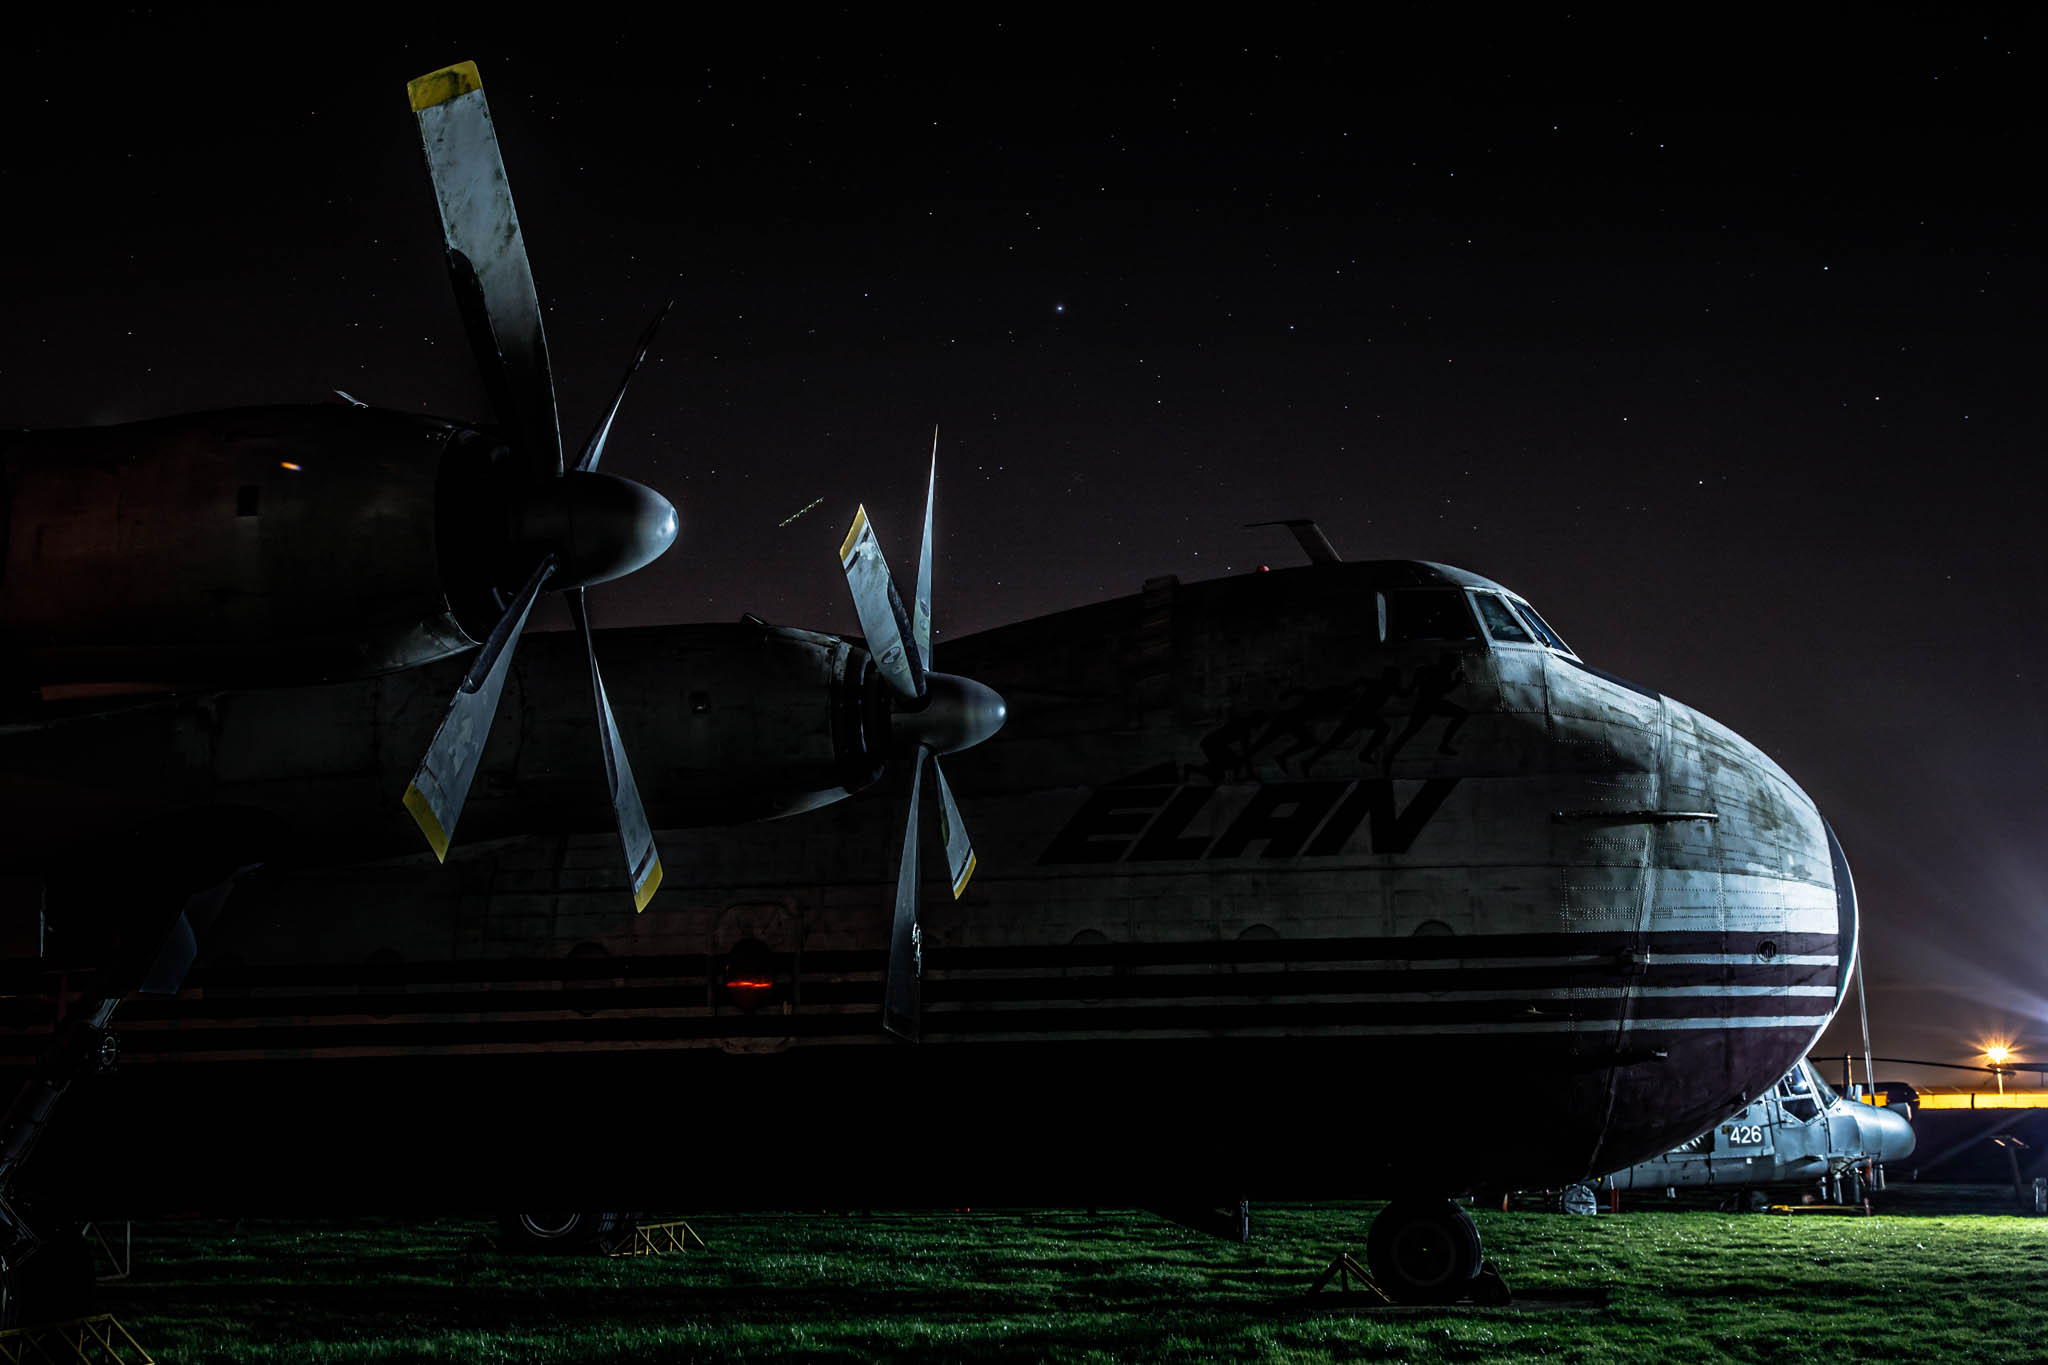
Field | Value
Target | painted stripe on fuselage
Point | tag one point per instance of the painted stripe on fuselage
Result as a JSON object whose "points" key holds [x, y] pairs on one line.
{"points": [[1501, 985]]}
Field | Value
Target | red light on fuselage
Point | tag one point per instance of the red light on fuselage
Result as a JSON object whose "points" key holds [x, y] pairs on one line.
{"points": [[749, 985]]}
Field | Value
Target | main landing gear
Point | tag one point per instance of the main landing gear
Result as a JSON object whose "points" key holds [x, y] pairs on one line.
{"points": [[535, 1233], [1427, 1251]]}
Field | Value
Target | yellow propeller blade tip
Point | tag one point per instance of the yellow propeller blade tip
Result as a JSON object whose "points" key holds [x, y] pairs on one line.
{"points": [[438, 87], [860, 521], [647, 888], [966, 876], [423, 815]]}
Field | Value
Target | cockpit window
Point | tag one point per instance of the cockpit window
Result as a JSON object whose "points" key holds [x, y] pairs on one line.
{"points": [[1428, 614], [1796, 1097], [1500, 622], [1821, 1086], [1541, 627]]}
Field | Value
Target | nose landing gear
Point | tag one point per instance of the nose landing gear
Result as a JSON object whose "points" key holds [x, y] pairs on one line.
{"points": [[1425, 1250]]}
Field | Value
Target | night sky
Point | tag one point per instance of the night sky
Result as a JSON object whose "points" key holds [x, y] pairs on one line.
{"points": [[1725, 349]]}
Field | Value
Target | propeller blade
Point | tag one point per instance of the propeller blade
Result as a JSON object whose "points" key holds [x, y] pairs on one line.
{"points": [[643, 860], [593, 449], [487, 259], [882, 618], [959, 848], [921, 609], [441, 785], [901, 1006]]}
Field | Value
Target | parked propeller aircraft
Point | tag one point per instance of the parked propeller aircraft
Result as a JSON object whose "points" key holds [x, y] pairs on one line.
{"points": [[1247, 840], [1243, 841], [1799, 1133]]}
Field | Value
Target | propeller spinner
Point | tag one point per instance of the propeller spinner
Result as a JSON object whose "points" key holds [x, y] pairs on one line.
{"points": [[548, 527], [930, 714]]}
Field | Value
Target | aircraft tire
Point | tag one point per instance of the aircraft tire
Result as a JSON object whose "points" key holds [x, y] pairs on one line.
{"points": [[1423, 1251], [546, 1233]]}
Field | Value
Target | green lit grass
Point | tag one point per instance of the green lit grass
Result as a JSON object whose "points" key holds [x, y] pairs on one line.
{"points": [[1070, 1286]]}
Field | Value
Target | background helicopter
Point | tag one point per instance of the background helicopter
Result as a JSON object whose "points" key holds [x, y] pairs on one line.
{"points": [[1801, 1133]]}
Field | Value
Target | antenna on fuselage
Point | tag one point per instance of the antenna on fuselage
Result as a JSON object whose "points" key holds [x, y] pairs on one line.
{"points": [[1313, 542]]}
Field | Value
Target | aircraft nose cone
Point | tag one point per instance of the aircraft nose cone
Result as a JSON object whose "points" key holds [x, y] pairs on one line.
{"points": [[1885, 1134], [1849, 924], [956, 713], [1761, 876], [598, 525]]}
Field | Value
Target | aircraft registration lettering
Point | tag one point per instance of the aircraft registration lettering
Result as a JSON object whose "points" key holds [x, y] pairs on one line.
{"points": [[1149, 823]]}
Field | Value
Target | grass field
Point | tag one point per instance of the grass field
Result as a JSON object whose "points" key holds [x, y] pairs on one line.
{"points": [[1071, 1286]]}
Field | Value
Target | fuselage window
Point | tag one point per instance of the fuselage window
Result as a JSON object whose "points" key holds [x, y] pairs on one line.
{"points": [[1428, 614], [1500, 622], [1541, 627]]}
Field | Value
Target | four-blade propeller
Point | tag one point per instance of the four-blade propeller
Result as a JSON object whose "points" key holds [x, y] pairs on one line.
{"points": [[563, 529], [930, 714]]}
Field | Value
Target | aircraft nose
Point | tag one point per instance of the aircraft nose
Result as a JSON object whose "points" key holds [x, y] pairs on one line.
{"points": [[1752, 889], [1780, 889], [1885, 1133]]}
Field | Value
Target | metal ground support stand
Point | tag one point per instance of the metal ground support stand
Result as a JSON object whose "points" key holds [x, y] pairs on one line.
{"points": [[97, 1340], [1344, 1270], [2021, 1192], [657, 1239], [1489, 1290], [123, 1261]]}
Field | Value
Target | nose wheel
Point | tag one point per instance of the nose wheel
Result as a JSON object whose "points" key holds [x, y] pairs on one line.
{"points": [[1425, 1251]]}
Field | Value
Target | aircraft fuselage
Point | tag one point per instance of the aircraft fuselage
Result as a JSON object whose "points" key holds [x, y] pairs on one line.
{"points": [[1277, 873]]}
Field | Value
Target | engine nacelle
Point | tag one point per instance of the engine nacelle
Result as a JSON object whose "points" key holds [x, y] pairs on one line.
{"points": [[755, 722], [251, 547]]}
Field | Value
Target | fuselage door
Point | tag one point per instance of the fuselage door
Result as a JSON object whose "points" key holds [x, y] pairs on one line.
{"points": [[1750, 1133]]}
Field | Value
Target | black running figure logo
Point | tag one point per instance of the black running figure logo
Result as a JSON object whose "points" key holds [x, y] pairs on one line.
{"points": [[1232, 750]]}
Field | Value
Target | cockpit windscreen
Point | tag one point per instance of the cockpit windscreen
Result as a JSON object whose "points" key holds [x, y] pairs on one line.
{"points": [[1428, 614], [1542, 628], [1501, 624]]}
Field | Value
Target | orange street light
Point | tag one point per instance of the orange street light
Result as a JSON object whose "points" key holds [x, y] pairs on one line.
{"points": [[1998, 1054]]}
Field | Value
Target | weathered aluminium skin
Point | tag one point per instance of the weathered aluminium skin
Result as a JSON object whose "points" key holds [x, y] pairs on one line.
{"points": [[1252, 919]]}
